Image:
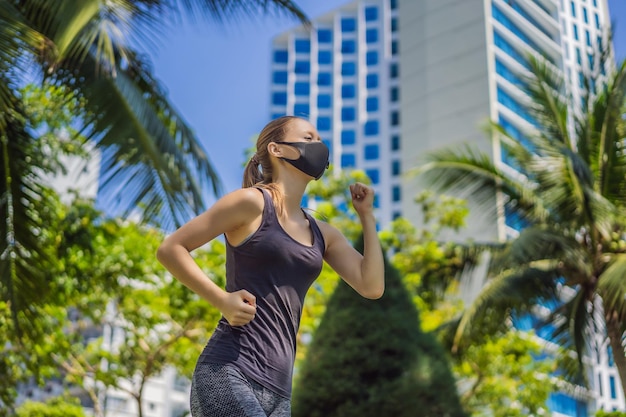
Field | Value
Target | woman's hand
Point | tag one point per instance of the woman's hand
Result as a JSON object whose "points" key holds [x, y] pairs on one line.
{"points": [[362, 198], [239, 307]]}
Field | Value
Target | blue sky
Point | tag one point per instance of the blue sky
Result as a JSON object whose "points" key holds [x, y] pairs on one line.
{"points": [[218, 77]]}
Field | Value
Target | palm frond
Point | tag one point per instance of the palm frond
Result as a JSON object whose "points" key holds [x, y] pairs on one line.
{"points": [[470, 174], [516, 290], [151, 158], [611, 156], [540, 242], [24, 206], [612, 287], [222, 10], [17, 40], [570, 323], [546, 89]]}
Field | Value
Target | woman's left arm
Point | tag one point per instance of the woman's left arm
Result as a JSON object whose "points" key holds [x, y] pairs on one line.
{"points": [[365, 273]]}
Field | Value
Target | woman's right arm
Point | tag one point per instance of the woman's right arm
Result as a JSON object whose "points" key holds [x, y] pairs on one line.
{"points": [[234, 212]]}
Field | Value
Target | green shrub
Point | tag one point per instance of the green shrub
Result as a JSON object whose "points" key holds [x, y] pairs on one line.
{"points": [[55, 407], [370, 358]]}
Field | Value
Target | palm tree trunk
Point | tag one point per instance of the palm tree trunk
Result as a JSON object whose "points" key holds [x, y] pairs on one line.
{"points": [[614, 333]]}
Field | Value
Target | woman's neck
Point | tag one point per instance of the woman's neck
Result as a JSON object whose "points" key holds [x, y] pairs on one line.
{"points": [[292, 191]]}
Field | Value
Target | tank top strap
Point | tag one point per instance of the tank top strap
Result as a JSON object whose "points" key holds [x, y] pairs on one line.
{"points": [[319, 237], [269, 211]]}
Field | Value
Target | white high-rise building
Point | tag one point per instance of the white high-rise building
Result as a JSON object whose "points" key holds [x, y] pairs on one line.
{"points": [[343, 76], [459, 62], [387, 81]]}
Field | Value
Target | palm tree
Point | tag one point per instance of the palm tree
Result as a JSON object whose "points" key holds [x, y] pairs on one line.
{"points": [[569, 191], [151, 160]]}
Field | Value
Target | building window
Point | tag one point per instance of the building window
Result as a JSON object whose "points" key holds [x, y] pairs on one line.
{"points": [[371, 152], [394, 47], [348, 114], [324, 101], [348, 24], [371, 104], [396, 193], [280, 77], [348, 137], [371, 128], [581, 80], [324, 57], [277, 115], [302, 67], [301, 109], [371, 35], [324, 36], [348, 68], [348, 46], [600, 385], [348, 91], [303, 46], [394, 94], [510, 50], [575, 31], [324, 123], [395, 168], [612, 387], [324, 78], [394, 24], [279, 98], [507, 74], [301, 89], [578, 57], [609, 353], [281, 57], [371, 81], [394, 70], [371, 14], [395, 118], [393, 4], [374, 175], [395, 143], [396, 215], [512, 104], [348, 160], [573, 6], [597, 19], [371, 58], [588, 37], [585, 15]]}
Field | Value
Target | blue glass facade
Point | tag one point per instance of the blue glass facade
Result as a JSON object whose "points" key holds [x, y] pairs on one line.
{"points": [[344, 76]]}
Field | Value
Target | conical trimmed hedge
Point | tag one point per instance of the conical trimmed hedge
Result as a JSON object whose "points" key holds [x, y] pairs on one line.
{"points": [[370, 358]]}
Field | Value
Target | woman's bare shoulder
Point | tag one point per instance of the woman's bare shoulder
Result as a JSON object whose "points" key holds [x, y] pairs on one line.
{"points": [[243, 199]]}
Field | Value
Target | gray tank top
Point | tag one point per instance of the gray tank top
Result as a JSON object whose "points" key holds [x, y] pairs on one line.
{"points": [[278, 271]]}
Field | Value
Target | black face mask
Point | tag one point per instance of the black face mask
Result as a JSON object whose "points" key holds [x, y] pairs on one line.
{"points": [[313, 158]]}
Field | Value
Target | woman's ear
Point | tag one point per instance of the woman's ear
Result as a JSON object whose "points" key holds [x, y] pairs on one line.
{"points": [[274, 149]]}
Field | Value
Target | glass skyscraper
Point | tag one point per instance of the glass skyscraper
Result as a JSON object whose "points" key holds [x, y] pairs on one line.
{"points": [[387, 81], [343, 76]]}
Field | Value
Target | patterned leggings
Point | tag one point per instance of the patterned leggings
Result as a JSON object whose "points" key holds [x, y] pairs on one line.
{"points": [[223, 391]]}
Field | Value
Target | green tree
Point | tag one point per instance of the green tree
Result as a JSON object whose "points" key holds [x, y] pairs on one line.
{"points": [[93, 52], [332, 204], [603, 413], [106, 275], [370, 358], [502, 375], [55, 407], [571, 193], [506, 377], [162, 323]]}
